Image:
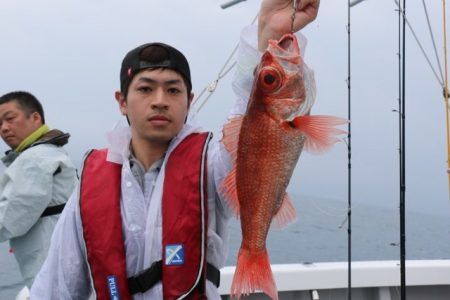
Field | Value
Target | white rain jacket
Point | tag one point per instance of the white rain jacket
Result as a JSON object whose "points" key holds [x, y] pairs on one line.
{"points": [[27, 187], [65, 274]]}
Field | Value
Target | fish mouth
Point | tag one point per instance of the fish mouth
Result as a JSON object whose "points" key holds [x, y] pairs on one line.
{"points": [[286, 46], [287, 52], [286, 43]]}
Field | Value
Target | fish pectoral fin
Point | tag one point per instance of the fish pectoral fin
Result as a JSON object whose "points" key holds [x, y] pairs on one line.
{"points": [[320, 131], [286, 214], [230, 135], [229, 191]]}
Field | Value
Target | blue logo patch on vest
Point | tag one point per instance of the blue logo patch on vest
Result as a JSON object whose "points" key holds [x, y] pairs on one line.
{"points": [[113, 288], [174, 255]]}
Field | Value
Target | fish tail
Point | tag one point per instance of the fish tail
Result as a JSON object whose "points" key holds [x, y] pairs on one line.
{"points": [[253, 273]]}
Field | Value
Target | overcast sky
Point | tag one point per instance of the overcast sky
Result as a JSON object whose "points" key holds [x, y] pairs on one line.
{"points": [[68, 54]]}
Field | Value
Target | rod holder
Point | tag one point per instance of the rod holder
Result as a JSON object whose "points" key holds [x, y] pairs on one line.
{"points": [[230, 3], [354, 2]]}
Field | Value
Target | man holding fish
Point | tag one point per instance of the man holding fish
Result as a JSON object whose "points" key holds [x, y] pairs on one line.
{"points": [[150, 219]]}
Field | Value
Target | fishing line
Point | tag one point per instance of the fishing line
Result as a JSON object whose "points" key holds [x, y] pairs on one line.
{"points": [[328, 210], [432, 39], [294, 11], [440, 81], [212, 86]]}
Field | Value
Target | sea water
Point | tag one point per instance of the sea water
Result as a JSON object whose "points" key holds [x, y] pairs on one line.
{"points": [[320, 234]]}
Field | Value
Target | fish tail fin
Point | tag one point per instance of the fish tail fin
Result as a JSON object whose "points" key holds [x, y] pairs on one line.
{"points": [[253, 273], [286, 214], [320, 132]]}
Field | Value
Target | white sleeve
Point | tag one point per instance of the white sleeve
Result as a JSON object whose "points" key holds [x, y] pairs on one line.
{"points": [[65, 274], [25, 191]]}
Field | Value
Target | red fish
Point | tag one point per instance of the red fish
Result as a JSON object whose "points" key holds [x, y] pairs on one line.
{"points": [[265, 145]]}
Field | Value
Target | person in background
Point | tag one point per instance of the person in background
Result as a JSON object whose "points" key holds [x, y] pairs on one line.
{"points": [[35, 183], [148, 221]]}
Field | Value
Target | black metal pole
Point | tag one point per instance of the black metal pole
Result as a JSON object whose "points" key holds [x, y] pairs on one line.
{"points": [[349, 149], [403, 169], [399, 100]]}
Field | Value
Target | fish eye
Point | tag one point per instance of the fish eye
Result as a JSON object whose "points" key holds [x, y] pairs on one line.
{"points": [[270, 79]]}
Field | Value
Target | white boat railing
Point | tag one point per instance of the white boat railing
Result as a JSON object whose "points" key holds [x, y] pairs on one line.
{"points": [[365, 275]]}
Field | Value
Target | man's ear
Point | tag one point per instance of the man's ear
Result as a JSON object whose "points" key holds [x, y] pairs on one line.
{"points": [[122, 102], [37, 119], [190, 98]]}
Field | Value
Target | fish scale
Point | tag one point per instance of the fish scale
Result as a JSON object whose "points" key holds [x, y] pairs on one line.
{"points": [[257, 213]]}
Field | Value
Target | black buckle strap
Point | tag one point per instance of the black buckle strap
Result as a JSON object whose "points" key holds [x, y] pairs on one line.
{"points": [[57, 209], [145, 280], [57, 171], [213, 274], [53, 210]]}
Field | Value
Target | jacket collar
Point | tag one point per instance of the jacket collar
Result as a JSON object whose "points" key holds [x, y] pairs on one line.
{"points": [[119, 139]]}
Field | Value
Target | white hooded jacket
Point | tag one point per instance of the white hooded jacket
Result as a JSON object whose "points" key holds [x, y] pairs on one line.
{"points": [[65, 274], [27, 187]]}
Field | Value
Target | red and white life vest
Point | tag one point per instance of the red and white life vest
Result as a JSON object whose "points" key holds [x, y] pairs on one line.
{"points": [[184, 217]]}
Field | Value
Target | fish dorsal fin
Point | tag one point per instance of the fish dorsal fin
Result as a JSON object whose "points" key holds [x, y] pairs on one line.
{"points": [[286, 214], [320, 131], [230, 140]]}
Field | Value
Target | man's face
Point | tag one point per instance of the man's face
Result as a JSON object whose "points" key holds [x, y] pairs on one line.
{"points": [[156, 106], [15, 125]]}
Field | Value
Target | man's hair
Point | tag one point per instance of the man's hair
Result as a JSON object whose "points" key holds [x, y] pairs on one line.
{"points": [[153, 56], [26, 101]]}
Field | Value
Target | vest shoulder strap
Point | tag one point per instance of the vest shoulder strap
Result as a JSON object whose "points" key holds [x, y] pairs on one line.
{"points": [[100, 205], [185, 219]]}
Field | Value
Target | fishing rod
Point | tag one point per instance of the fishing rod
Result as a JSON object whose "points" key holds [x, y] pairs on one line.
{"points": [[349, 151], [399, 110], [402, 160], [401, 142], [446, 91]]}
